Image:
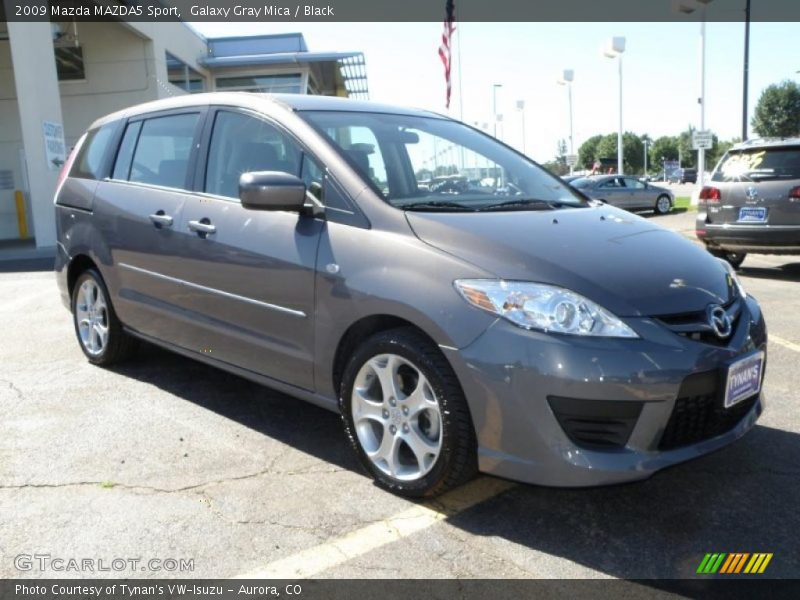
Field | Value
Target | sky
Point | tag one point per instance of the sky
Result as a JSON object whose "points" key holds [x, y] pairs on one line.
{"points": [[661, 72]]}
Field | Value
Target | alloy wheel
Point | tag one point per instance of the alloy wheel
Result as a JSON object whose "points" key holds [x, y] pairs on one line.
{"points": [[397, 417], [91, 316]]}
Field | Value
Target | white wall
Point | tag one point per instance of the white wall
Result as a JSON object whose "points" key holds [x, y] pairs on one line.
{"points": [[124, 64]]}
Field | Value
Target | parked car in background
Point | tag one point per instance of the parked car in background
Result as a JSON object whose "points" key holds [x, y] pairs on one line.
{"points": [[688, 176], [626, 192], [515, 329], [752, 203], [570, 178]]}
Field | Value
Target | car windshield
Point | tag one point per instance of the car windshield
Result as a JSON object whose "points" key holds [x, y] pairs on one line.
{"points": [[759, 164], [429, 163]]}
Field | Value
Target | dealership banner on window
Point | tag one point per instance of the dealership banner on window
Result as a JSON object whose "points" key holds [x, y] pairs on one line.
{"points": [[391, 10]]}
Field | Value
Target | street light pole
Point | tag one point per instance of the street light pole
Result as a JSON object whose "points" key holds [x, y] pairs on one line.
{"points": [[521, 109], [619, 133], [614, 50], [566, 80], [746, 70], [494, 104], [701, 153]]}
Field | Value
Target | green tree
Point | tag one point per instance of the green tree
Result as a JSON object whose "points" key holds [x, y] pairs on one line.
{"points": [[664, 148], [688, 155], [632, 150], [587, 153], [777, 113]]}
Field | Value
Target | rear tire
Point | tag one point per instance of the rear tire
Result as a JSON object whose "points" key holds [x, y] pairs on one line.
{"points": [[734, 258], [406, 417], [99, 331], [663, 205]]}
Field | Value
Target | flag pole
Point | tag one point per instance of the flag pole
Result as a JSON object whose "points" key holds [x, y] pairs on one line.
{"points": [[460, 93]]}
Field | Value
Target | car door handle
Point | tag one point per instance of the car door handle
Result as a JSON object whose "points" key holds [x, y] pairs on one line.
{"points": [[160, 219], [202, 227]]}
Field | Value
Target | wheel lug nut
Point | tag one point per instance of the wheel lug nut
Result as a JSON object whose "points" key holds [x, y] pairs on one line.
{"points": [[392, 429], [385, 414], [405, 410], [405, 427], [392, 401]]}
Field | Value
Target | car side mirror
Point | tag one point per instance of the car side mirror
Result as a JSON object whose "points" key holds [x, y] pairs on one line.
{"points": [[272, 190]]}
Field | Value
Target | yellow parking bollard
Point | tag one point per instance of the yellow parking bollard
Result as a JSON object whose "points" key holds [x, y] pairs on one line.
{"points": [[22, 221]]}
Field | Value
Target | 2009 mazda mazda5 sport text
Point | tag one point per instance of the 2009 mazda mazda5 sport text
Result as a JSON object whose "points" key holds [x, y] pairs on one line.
{"points": [[461, 307]]}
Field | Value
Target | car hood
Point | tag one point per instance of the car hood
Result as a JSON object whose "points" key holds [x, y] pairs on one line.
{"points": [[626, 263]]}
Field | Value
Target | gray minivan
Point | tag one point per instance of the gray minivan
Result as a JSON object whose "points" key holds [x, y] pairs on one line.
{"points": [[506, 325]]}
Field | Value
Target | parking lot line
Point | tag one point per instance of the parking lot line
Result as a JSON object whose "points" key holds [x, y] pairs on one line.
{"points": [[785, 343], [313, 561]]}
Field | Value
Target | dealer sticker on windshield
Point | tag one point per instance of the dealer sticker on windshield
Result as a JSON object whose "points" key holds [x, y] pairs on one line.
{"points": [[744, 379]]}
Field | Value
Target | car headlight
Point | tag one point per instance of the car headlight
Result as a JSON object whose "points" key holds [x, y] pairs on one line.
{"points": [[734, 277], [545, 307]]}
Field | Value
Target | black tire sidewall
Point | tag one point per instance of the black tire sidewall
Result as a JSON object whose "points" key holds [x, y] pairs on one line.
{"points": [[447, 392]]}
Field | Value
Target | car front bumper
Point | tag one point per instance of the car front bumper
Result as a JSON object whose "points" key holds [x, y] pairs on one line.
{"points": [[737, 237], [519, 384]]}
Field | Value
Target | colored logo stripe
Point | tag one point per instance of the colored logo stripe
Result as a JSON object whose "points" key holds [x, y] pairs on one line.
{"points": [[734, 563], [711, 563]]}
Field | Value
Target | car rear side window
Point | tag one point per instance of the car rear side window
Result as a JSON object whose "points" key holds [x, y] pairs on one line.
{"points": [[759, 164], [162, 152], [91, 159], [122, 166]]}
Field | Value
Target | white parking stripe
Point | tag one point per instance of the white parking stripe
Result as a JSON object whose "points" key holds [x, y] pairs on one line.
{"points": [[313, 561], [785, 343]]}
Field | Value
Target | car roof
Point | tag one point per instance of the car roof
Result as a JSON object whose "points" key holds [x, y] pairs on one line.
{"points": [[269, 103], [767, 143]]}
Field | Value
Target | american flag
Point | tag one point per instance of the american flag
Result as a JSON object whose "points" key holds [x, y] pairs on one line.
{"points": [[444, 49]]}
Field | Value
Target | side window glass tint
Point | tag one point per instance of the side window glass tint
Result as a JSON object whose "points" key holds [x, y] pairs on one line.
{"points": [[242, 144], [122, 166], [162, 153], [93, 152], [313, 176]]}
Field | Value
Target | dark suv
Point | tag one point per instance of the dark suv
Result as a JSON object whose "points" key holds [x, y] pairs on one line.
{"points": [[753, 201], [688, 176]]}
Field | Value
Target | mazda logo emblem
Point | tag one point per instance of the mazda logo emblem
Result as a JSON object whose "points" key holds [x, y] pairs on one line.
{"points": [[719, 321]]}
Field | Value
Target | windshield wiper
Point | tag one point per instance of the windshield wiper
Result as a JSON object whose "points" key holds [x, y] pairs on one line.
{"points": [[532, 203], [428, 205]]}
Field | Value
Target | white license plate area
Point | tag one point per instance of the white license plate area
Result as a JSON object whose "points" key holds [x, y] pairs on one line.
{"points": [[752, 214], [744, 379]]}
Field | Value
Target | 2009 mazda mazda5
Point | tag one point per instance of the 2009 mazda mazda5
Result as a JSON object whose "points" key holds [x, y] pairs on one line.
{"points": [[462, 308]]}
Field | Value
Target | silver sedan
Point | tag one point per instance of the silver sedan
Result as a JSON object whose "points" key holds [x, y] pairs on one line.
{"points": [[626, 192]]}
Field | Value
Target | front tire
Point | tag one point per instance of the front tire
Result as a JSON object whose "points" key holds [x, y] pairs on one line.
{"points": [[99, 331], [406, 417], [663, 205]]}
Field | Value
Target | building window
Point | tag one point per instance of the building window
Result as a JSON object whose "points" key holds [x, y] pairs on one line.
{"points": [[69, 63], [290, 83], [183, 76]]}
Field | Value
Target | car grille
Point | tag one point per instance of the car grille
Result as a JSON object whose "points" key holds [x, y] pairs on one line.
{"points": [[695, 325], [596, 424], [699, 413]]}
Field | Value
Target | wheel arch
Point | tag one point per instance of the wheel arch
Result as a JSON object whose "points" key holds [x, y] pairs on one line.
{"points": [[77, 265], [359, 331]]}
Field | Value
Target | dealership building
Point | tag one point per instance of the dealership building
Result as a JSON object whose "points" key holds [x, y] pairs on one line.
{"points": [[56, 78]]}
